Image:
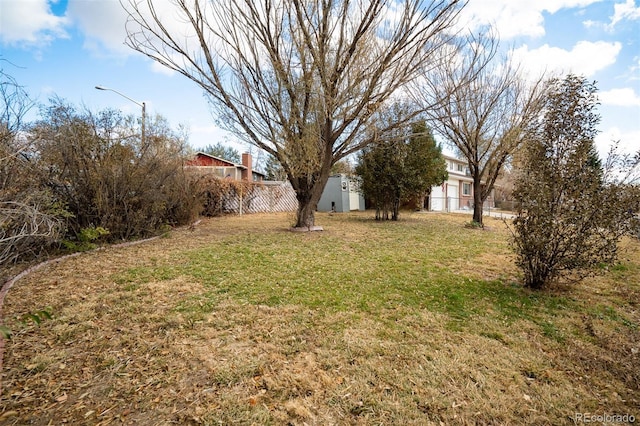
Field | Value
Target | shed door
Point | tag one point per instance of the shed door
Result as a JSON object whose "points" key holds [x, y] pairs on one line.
{"points": [[354, 200]]}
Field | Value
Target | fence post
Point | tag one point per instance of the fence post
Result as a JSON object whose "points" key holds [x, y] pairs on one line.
{"points": [[271, 200]]}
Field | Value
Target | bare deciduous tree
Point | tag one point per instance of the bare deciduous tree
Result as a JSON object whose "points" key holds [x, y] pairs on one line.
{"points": [[14, 105], [299, 79], [481, 106]]}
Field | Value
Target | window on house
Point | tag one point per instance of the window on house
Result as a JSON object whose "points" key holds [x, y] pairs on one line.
{"points": [[459, 167], [466, 189]]}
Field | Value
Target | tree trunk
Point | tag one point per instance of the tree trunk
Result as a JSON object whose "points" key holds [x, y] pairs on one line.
{"points": [[306, 214], [396, 209], [536, 277], [477, 200], [308, 192], [308, 198]]}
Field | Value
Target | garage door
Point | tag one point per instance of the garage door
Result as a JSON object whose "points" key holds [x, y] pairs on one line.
{"points": [[452, 195], [437, 199]]}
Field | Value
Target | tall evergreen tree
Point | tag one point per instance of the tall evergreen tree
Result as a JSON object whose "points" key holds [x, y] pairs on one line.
{"points": [[401, 165], [274, 170], [223, 151]]}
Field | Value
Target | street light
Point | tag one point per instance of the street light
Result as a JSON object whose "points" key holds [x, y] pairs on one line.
{"points": [[141, 104]]}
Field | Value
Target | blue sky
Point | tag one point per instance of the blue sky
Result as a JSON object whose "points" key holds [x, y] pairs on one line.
{"points": [[67, 47]]}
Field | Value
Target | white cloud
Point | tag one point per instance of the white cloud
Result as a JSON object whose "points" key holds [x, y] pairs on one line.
{"points": [[30, 22], [514, 18], [624, 11], [161, 69], [103, 25], [588, 24], [625, 97], [629, 141], [586, 58], [621, 12], [634, 69]]}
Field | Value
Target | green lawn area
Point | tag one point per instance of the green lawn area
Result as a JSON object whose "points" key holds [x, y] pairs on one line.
{"points": [[240, 321]]}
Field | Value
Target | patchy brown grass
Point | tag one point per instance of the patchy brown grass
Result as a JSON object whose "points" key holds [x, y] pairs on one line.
{"points": [[243, 322]]}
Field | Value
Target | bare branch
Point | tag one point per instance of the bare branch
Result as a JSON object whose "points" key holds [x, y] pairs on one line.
{"points": [[25, 229], [299, 79], [482, 107]]}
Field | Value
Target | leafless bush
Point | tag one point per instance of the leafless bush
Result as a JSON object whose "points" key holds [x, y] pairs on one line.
{"points": [[217, 195], [26, 230], [30, 221], [104, 172]]}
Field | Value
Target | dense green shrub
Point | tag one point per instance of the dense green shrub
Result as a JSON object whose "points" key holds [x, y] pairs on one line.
{"points": [[571, 213], [400, 165]]}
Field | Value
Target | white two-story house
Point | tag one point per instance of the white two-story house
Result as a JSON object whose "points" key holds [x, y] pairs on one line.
{"points": [[457, 192]]}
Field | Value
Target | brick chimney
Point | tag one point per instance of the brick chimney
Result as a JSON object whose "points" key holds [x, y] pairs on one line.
{"points": [[247, 162]]}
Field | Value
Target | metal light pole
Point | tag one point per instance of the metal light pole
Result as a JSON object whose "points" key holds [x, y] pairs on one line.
{"points": [[140, 104]]}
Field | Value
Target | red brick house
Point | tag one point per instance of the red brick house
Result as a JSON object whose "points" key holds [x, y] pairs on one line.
{"points": [[206, 163]]}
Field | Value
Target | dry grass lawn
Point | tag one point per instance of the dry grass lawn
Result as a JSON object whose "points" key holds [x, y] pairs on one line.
{"points": [[242, 322]]}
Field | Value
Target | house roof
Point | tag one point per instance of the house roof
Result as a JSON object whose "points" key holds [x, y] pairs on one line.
{"points": [[459, 160], [458, 174], [228, 163], [222, 160]]}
